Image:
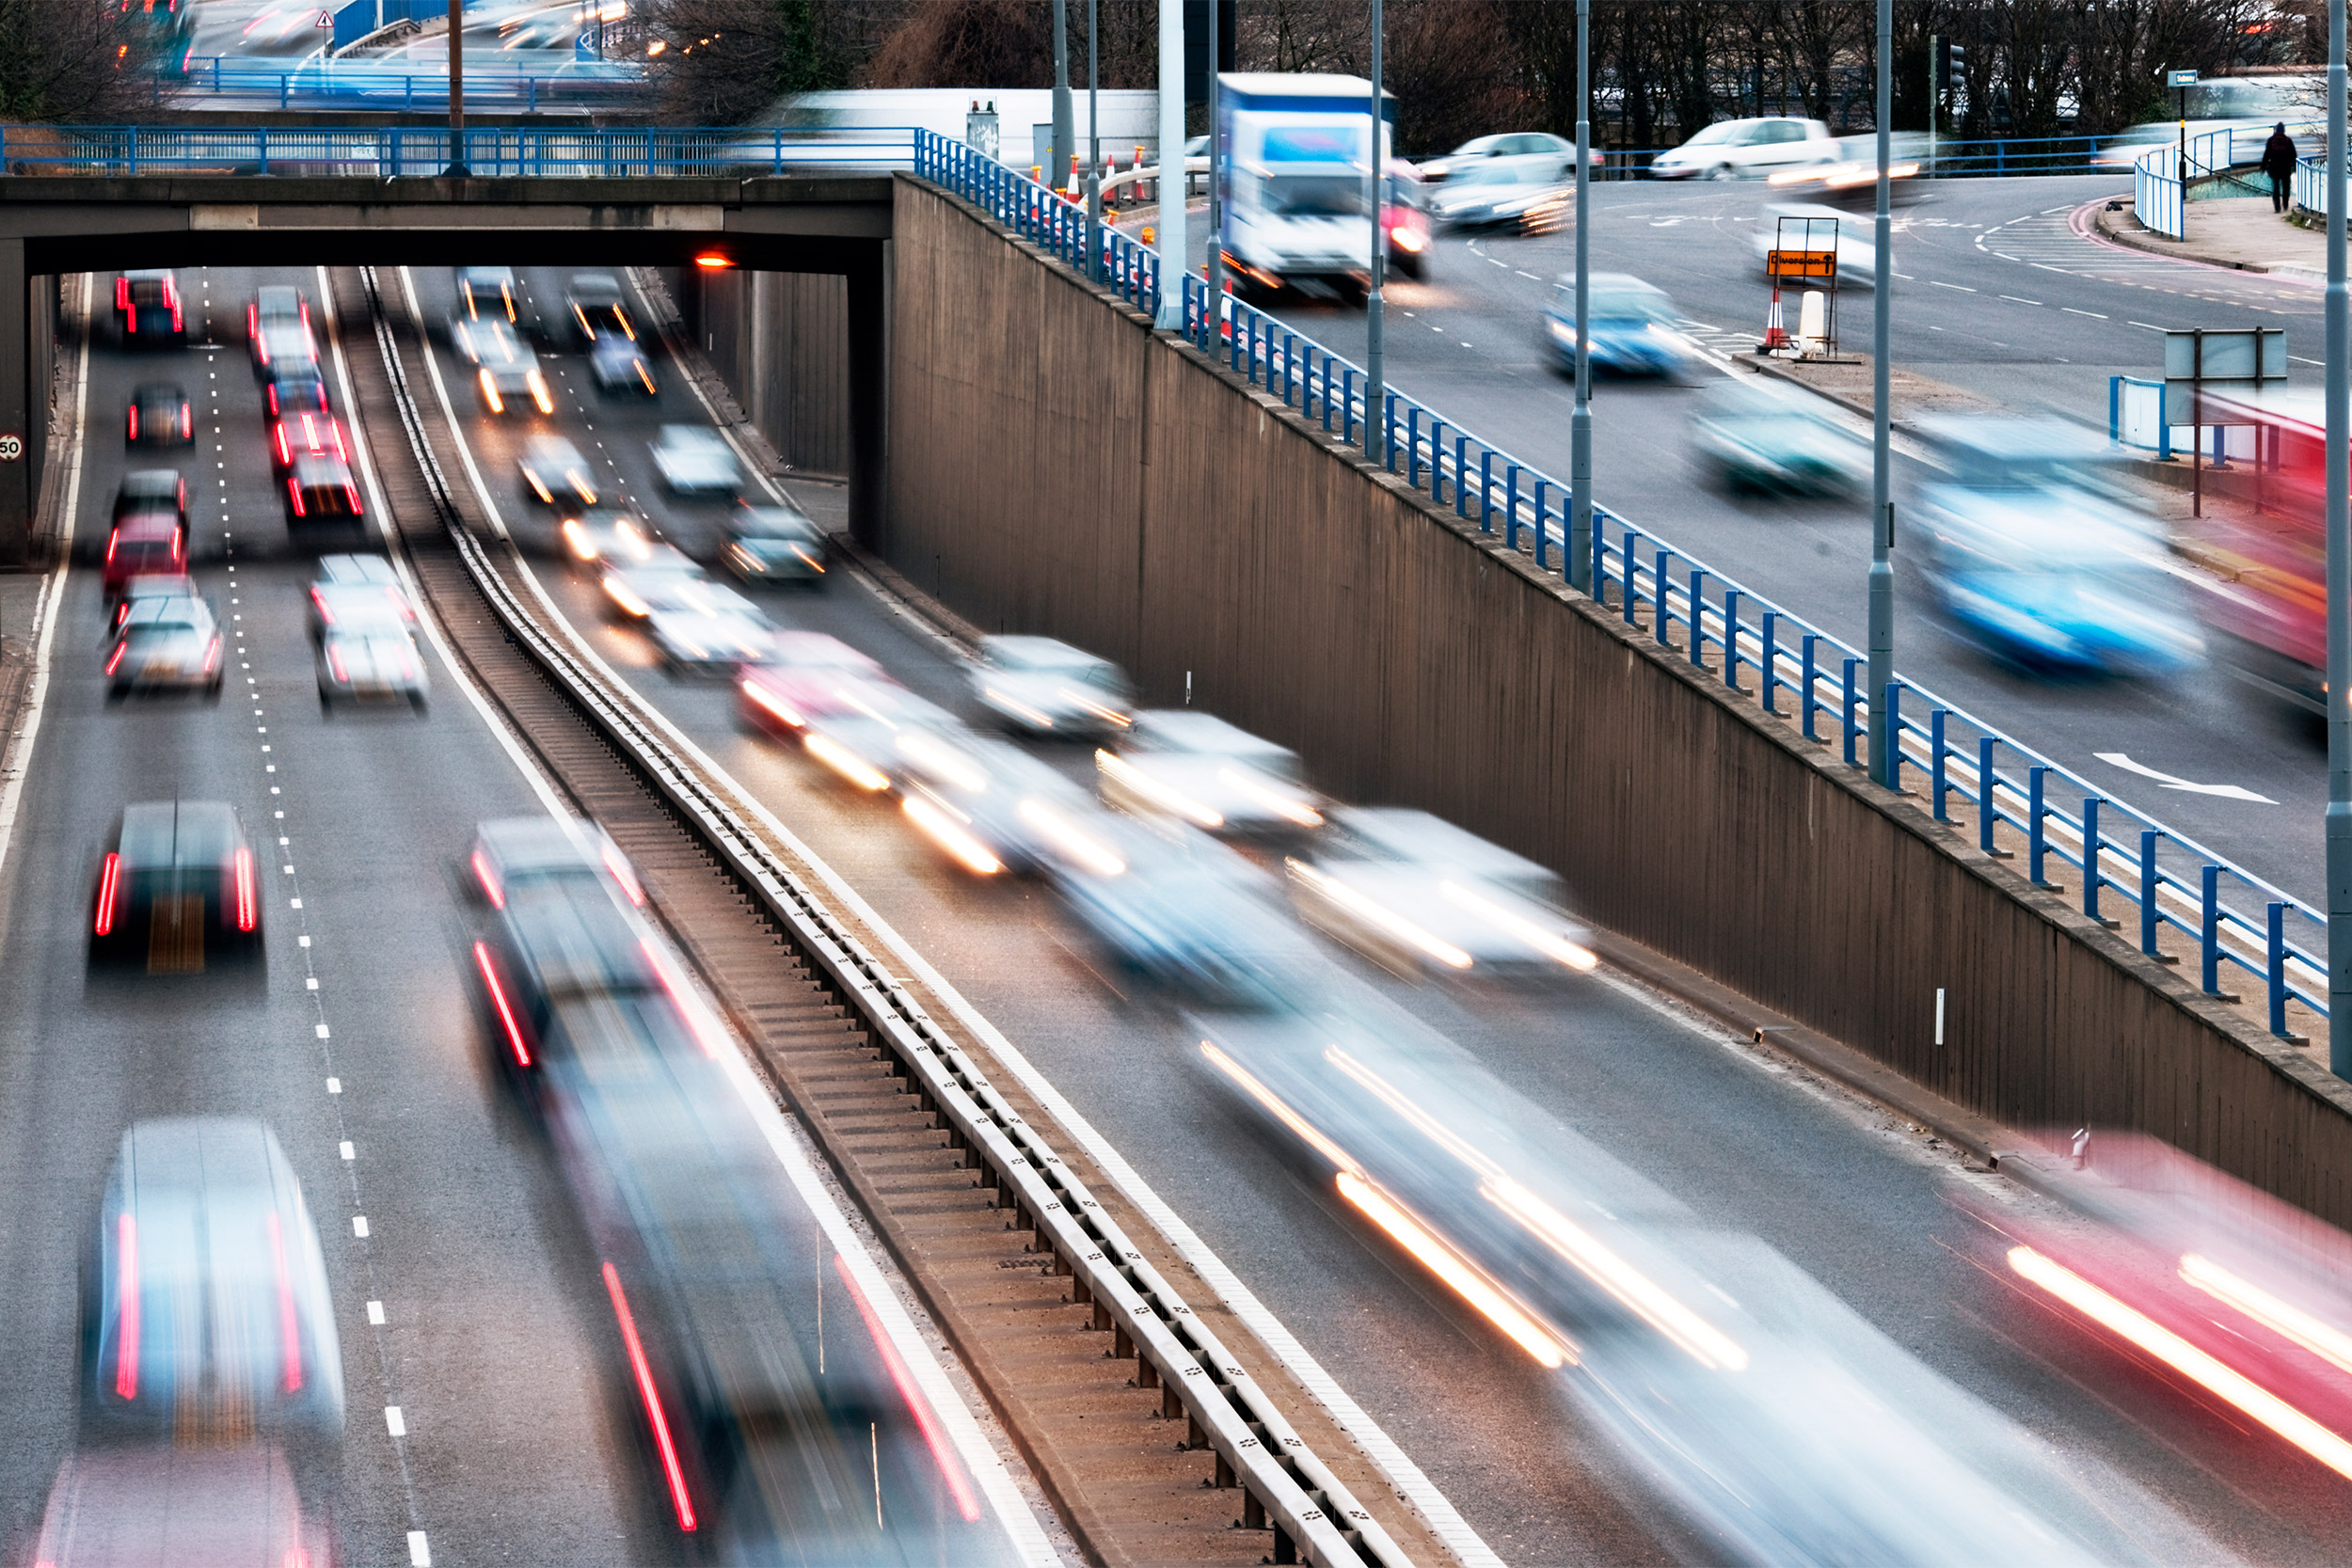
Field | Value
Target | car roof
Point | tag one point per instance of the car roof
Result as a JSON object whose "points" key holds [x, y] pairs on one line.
{"points": [[1400, 833], [781, 520], [149, 585], [596, 283], [311, 470], [345, 570], [1177, 729], [822, 649], [178, 833], [1038, 653], [158, 525], [151, 481], [578, 943], [524, 846], [176, 609]]}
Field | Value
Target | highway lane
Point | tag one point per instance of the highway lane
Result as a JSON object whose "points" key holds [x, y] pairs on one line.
{"points": [[492, 1343], [1851, 1196], [2035, 318]]}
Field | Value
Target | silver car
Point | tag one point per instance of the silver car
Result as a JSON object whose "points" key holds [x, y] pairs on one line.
{"points": [[165, 645], [1044, 687], [370, 658], [505, 367], [696, 460], [1194, 768]]}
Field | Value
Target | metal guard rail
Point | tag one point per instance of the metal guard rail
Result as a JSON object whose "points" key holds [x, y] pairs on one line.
{"points": [[2158, 199], [492, 151], [1148, 1317], [2167, 879]]}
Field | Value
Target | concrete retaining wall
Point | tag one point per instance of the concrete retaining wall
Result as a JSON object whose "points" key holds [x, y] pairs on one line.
{"points": [[1057, 468], [781, 340]]}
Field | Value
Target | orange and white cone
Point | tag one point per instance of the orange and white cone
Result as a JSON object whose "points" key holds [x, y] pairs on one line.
{"points": [[1775, 335]]}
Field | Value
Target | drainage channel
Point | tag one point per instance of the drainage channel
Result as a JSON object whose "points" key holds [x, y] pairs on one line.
{"points": [[1153, 1440]]}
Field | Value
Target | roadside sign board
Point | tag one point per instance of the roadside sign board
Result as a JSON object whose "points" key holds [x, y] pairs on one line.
{"points": [[1801, 264], [2246, 359], [2180, 78]]}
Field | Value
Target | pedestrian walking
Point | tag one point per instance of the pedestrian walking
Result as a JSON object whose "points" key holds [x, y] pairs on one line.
{"points": [[2278, 163]]}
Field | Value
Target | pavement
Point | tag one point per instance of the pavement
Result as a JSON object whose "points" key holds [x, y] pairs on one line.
{"points": [[2239, 232]]}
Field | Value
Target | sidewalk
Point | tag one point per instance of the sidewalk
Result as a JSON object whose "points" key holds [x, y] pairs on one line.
{"points": [[2240, 233]]}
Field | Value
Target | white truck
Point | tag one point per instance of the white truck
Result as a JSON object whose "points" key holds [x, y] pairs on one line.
{"points": [[1296, 152]]}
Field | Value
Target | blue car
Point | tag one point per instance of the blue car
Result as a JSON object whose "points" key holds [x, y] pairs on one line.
{"points": [[2040, 563], [1631, 326]]}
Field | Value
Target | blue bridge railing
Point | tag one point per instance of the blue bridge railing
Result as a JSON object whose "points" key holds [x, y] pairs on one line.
{"points": [[317, 80], [2124, 868], [391, 153]]}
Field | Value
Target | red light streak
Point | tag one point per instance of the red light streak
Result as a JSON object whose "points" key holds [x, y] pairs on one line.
{"points": [[289, 1330], [245, 889], [127, 1314], [134, 421], [497, 998], [967, 1501], [490, 889], [672, 1471], [109, 880], [121, 648]]}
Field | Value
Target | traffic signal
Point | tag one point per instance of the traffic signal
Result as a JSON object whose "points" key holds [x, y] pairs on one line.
{"points": [[1952, 60]]}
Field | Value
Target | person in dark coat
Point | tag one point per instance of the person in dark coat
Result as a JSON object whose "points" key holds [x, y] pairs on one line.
{"points": [[2278, 163]]}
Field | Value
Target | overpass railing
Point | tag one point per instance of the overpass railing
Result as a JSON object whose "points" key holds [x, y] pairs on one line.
{"points": [[2158, 199], [315, 81], [391, 152], [2185, 899]]}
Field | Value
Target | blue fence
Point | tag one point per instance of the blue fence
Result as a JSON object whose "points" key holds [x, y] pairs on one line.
{"points": [[389, 153], [2158, 200], [317, 80], [2125, 869]]}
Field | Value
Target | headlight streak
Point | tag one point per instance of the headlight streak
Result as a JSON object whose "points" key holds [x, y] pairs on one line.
{"points": [[583, 545], [1108, 716], [2136, 1328], [538, 385], [845, 761], [1457, 1274], [2284, 1319], [809, 560], [490, 387], [784, 711], [1042, 720], [1282, 1113], [621, 595], [944, 760], [1285, 805], [1160, 795], [1066, 836], [1378, 915], [1549, 944], [951, 835]]}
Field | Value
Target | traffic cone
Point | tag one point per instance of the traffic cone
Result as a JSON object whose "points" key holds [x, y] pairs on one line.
{"points": [[1775, 335]]}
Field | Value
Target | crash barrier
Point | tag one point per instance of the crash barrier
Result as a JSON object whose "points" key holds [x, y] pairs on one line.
{"points": [[2136, 419], [2235, 920], [492, 151], [2157, 198], [1376, 621]]}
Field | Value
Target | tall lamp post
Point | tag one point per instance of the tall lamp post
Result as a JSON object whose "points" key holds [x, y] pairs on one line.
{"points": [[1169, 219], [1213, 265], [1580, 563], [1065, 136], [457, 169], [1094, 153], [2339, 579], [1882, 741], [1375, 383]]}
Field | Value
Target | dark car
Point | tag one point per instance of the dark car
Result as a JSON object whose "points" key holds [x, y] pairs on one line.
{"points": [[487, 288], [151, 544], [150, 490], [205, 1310], [284, 343], [276, 310], [322, 499], [598, 311], [619, 365], [148, 309], [160, 415], [773, 543], [178, 891]]}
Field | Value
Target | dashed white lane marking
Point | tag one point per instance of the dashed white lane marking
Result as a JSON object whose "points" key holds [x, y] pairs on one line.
{"points": [[1932, 283], [344, 1149], [2100, 315], [376, 1313], [359, 1222], [420, 1555], [2013, 299], [393, 1420], [335, 1086], [2150, 325], [322, 1029]]}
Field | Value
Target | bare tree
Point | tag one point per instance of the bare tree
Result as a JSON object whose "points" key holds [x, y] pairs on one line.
{"points": [[719, 62], [77, 59]]}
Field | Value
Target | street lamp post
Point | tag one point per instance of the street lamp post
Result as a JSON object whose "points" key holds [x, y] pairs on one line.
{"points": [[1094, 153], [1580, 563], [1213, 265], [457, 169], [1375, 383], [1883, 739], [1170, 220], [2339, 579]]}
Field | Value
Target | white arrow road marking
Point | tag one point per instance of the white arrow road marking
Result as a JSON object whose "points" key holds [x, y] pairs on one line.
{"points": [[2228, 792]]}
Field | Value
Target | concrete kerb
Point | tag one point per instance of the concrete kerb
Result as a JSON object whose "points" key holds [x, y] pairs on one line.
{"points": [[1854, 1068], [2114, 219]]}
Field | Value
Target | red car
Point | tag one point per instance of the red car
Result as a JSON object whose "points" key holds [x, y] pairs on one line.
{"points": [[811, 676], [142, 544]]}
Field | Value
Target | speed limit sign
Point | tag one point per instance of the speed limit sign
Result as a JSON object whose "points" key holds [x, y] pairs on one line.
{"points": [[12, 448]]}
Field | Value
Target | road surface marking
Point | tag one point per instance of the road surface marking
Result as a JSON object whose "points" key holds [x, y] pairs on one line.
{"points": [[2013, 299], [1932, 283], [2068, 308], [360, 1225], [375, 1312], [393, 1420], [335, 1086], [345, 1147], [2227, 792]]}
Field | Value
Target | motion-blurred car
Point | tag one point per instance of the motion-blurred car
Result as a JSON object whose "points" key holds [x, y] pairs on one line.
{"points": [[146, 491], [1631, 327], [619, 365], [205, 1309], [365, 655], [864, 735], [596, 539], [1545, 155], [1405, 218], [696, 460], [1731, 148], [2042, 563], [356, 579], [293, 389], [520, 853], [152, 585], [506, 368], [554, 473], [322, 500], [1042, 687], [1421, 897], [202, 1507], [159, 415], [1760, 438], [177, 891], [805, 676], [305, 432], [599, 309], [273, 303], [486, 291], [148, 309], [165, 645], [1184, 914], [1195, 767], [706, 642], [143, 544], [1857, 255], [663, 578], [773, 543], [993, 807], [278, 328], [1499, 194]]}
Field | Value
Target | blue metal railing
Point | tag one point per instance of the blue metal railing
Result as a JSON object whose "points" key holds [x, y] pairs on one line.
{"points": [[2118, 857], [2157, 199], [389, 153], [318, 79], [2310, 185], [1046, 220]]}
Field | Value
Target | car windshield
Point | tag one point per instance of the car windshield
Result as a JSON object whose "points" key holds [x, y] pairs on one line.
{"points": [[1305, 196], [1722, 131], [1476, 146]]}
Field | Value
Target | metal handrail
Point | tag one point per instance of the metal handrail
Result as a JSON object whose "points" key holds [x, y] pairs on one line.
{"points": [[2172, 880]]}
